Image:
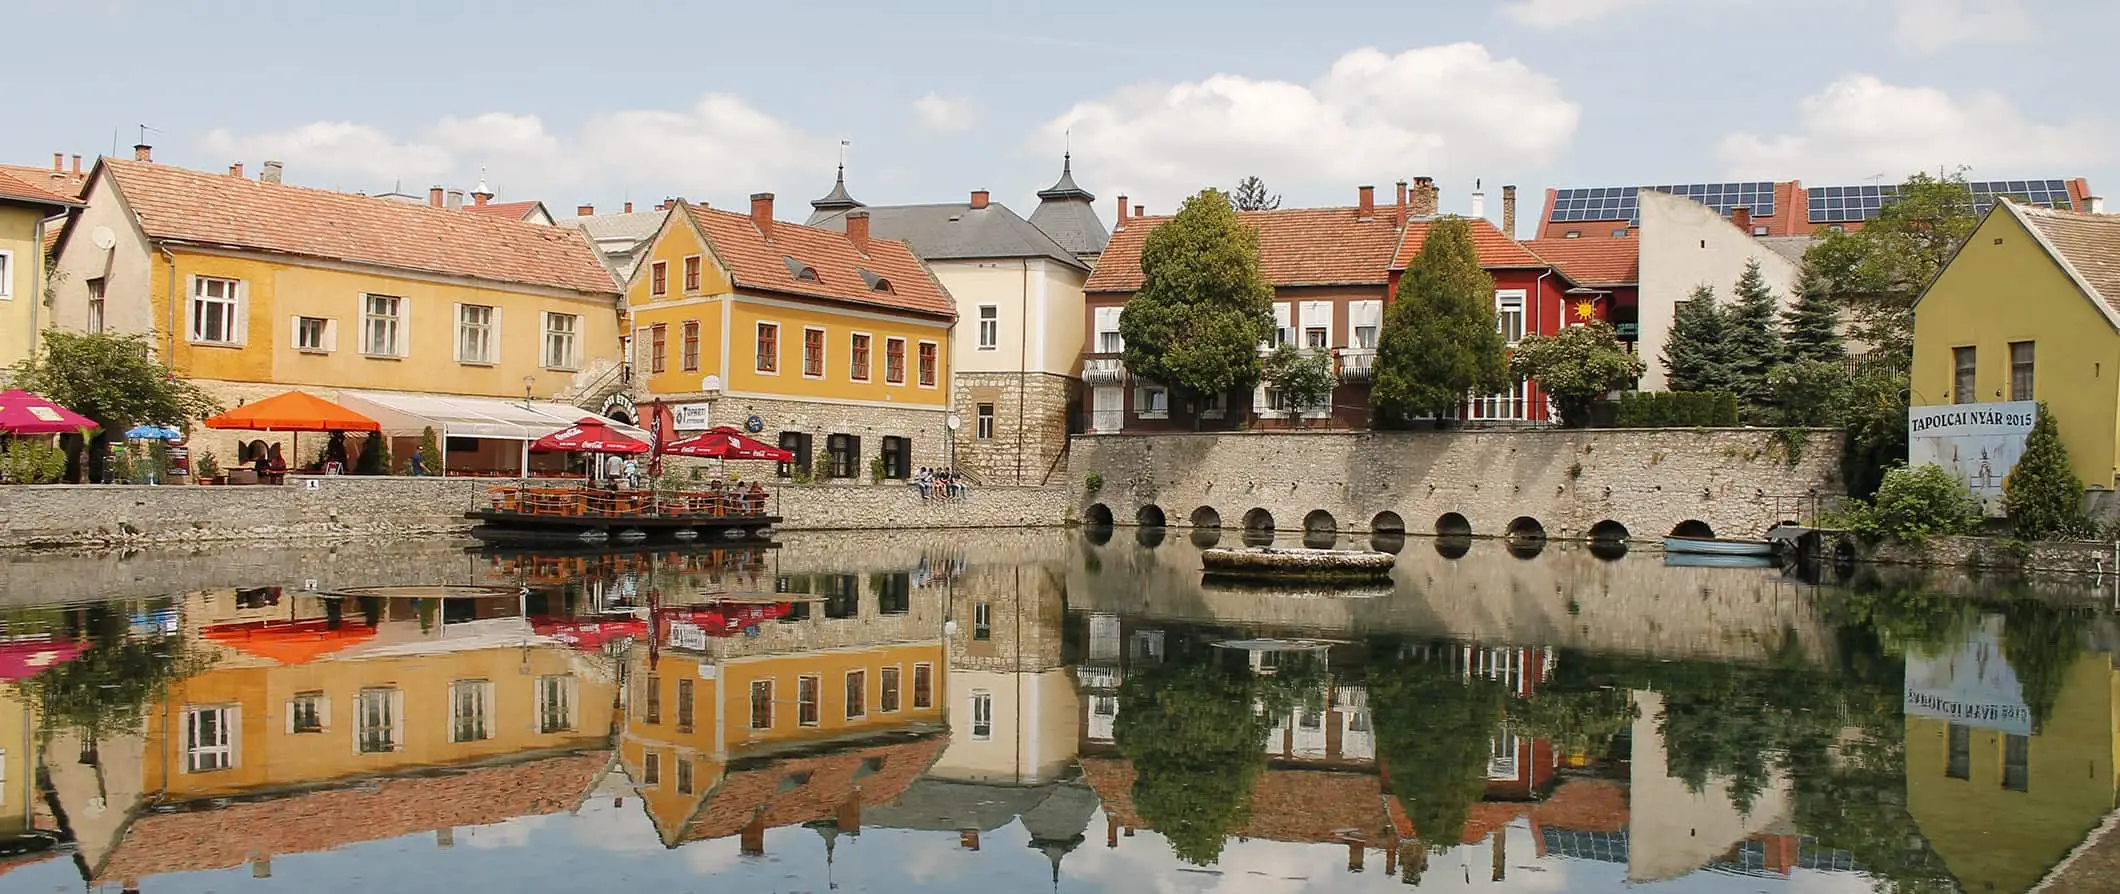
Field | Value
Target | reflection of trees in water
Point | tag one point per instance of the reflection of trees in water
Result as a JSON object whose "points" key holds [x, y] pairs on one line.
{"points": [[1434, 736], [2042, 642], [106, 690]]}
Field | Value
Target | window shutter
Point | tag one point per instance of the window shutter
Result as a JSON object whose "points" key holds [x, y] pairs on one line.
{"points": [[331, 335], [493, 337], [643, 348], [294, 335], [242, 320], [404, 340], [456, 332]]}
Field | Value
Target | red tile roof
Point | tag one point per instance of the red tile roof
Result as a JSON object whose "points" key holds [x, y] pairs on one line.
{"points": [[509, 210], [758, 261], [64, 182], [1496, 250], [16, 188], [235, 212], [1297, 247], [1286, 805], [1593, 261], [771, 793]]}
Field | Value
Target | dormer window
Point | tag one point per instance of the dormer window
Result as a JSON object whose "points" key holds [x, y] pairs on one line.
{"points": [[799, 270], [875, 280]]}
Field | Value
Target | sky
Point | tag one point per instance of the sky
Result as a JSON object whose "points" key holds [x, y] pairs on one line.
{"points": [[574, 103]]}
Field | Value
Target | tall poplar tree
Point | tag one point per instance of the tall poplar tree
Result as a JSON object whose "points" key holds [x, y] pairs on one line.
{"points": [[1204, 305], [1440, 342]]}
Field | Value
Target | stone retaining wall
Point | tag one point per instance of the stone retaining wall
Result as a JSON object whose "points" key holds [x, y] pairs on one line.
{"points": [[1737, 481]]}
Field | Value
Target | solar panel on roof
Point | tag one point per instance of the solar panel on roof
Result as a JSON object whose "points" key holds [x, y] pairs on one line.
{"points": [[1853, 204], [1624, 202]]}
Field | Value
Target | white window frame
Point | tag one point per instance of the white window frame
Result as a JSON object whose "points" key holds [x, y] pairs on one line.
{"points": [[398, 323], [692, 267], [989, 327], [1365, 315], [233, 296], [97, 307], [1506, 301], [327, 335], [488, 329], [392, 704], [865, 371], [323, 712], [1315, 315], [915, 360], [1512, 404], [563, 690], [824, 352], [983, 427], [1109, 341], [221, 754], [479, 693], [1151, 402], [982, 715], [569, 339], [7, 275]]}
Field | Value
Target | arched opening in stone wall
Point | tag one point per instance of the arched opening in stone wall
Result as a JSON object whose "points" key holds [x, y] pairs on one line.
{"points": [[1319, 520], [1608, 531], [1609, 550], [1525, 527], [1097, 515], [1206, 517], [1451, 524], [1258, 520], [1150, 516], [1527, 547], [1388, 522], [1387, 541], [1206, 538], [1098, 535], [1693, 527]]}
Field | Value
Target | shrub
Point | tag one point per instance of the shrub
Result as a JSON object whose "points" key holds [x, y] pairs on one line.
{"points": [[1677, 409], [32, 462], [1913, 505], [2042, 496], [1092, 484]]}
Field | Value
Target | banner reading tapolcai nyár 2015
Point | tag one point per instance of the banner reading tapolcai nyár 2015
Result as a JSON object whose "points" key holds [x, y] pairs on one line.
{"points": [[1978, 443]]}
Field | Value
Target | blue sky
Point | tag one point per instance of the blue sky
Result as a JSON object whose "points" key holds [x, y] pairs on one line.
{"points": [[596, 103]]}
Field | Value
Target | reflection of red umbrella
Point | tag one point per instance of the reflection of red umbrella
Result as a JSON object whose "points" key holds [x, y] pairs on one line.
{"points": [[21, 660], [23, 413], [731, 619], [286, 642], [589, 634], [591, 435], [727, 443]]}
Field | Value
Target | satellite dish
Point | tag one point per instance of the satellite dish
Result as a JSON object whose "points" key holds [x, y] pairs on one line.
{"points": [[103, 238], [710, 383], [952, 423]]}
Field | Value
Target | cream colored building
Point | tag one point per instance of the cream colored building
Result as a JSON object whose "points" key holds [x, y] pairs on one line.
{"points": [[1685, 244]]}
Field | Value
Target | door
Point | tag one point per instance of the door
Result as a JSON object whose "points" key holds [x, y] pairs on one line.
{"points": [[1107, 408]]}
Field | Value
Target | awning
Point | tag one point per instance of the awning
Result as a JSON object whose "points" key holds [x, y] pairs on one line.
{"points": [[456, 416]]}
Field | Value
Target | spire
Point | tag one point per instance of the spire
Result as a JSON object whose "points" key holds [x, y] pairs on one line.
{"points": [[1064, 213], [1066, 188], [838, 199]]}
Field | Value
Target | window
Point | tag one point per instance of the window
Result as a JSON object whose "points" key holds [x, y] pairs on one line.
{"points": [[923, 686], [561, 351], [929, 361], [897, 457], [1105, 322], [857, 694], [555, 704], [1314, 337], [684, 776], [813, 353], [806, 691], [768, 347], [7, 274], [797, 443], [684, 706], [1959, 763], [651, 708], [1509, 315], [982, 714], [378, 728], [887, 701], [308, 712], [1963, 366], [2017, 763], [658, 347], [314, 334], [651, 769], [1284, 327], [475, 338], [858, 357], [894, 361], [2021, 370], [95, 299], [843, 452], [470, 711], [659, 279], [985, 429], [982, 621], [209, 738], [1367, 319], [1152, 402], [691, 348], [692, 274], [382, 317], [762, 704], [214, 317], [989, 327]]}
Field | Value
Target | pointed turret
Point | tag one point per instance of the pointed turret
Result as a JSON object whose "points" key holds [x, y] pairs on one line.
{"points": [[838, 201], [1066, 214]]}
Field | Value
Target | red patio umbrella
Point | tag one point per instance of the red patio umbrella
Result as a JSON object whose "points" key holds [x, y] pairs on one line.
{"points": [[591, 435], [23, 413], [727, 443], [589, 634]]}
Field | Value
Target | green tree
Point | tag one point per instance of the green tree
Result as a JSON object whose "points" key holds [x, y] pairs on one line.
{"points": [[1697, 358], [1811, 392], [1752, 338], [1440, 341], [1873, 411], [30, 461], [1877, 272], [1576, 368], [1203, 306], [109, 378], [431, 451], [1811, 326], [375, 456], [1251, 195], [106, 690], [2042, 496], [1304, 378]]}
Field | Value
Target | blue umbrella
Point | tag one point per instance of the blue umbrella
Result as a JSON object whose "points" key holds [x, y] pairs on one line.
{"points": [[153, 433]]}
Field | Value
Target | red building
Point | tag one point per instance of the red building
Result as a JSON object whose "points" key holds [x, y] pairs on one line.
{"points": [[1778, 208], [1608, 270]]}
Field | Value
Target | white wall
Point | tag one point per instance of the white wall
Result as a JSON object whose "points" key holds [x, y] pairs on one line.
{"points": [[1034, 735], [1685, 244], [1040, 308]]}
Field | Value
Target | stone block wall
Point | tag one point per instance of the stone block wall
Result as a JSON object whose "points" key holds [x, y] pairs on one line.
{"points": [[871, 423], [1738, 482], [1029, 428]]}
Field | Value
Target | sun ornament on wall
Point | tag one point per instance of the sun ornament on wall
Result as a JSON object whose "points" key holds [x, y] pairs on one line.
{"points": [[1585, 310]]}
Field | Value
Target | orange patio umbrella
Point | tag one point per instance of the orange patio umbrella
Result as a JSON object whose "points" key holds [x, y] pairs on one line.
{"points": [[297, 642], [293, 411]]}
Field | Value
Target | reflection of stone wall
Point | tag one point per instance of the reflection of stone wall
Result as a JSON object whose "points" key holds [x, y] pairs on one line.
{"points": [[1564, 598], [1647, 480]]}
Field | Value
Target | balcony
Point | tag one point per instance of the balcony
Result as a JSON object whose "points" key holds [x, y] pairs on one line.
{"points": [[1356, 363], [1103, 369]]}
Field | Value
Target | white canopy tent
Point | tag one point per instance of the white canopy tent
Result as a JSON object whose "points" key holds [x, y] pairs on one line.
{"points": [[458, 416]]}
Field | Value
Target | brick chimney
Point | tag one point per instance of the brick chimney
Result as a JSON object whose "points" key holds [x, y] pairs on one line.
{"points": [[858, 229], [980, 198], [77, 165], [143, 152], [1509, 211], [1366, 203], [1398, 214], [1741, 217], [1139, 211], [434, 196], [235, 170], [1424, 198], [1122, 213], [584, 210], [968, 839], [629, 207], [272, 173], [762, 213], [480, 198], [58, 161]]}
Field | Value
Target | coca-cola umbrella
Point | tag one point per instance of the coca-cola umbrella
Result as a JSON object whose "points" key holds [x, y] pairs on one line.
{"points": [[23, 413], [727, 443], [590, 435]]}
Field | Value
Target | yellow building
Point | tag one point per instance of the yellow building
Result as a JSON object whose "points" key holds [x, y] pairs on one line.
{"points": [[2029, 308], [837, 344], [26, 214], [252, 288]]}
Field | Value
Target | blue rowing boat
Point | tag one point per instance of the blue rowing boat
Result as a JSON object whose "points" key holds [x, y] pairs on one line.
{"points": [[1716, 546]]}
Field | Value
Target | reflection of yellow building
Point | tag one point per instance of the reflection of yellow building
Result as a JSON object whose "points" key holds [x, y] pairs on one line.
{"points": [[16, 768], [2002, 809]]}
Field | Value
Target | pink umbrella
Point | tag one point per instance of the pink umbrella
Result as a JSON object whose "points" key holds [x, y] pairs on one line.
{"points": [[23, 413], [726, 443], [591, 435]]}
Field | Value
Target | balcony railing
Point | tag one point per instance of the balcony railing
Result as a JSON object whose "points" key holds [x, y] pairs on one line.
{"points": [[1103, 369], [1356, 363]]}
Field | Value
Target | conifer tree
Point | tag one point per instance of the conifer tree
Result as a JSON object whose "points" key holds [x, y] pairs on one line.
{"points": [[2042, 497], [1204, 306], [1811, 325], [1752, 338], [1697, 357], [1440, 342]]}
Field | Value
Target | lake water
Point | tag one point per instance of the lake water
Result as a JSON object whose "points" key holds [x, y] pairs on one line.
{"points": [[1036, 710]]}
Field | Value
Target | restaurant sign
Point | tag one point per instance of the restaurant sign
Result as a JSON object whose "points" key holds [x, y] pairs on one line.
{"points": [[1977, 443], [687, 636], [1971, 685], [690, 417]]}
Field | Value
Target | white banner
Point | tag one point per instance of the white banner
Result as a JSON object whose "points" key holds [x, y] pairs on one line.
{"points": [[1977, 443], [690, 417], [687, 636], [1972, 685]]}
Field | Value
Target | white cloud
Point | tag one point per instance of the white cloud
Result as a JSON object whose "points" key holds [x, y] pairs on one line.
{"points": [[1563, 13], [940, 112], [718, 146], [1931, 25], [1860, 126], [1372, 117]]}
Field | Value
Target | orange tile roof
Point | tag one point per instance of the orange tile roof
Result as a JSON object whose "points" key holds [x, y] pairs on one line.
{"points": [[235, 212], [1286, 805], [2090, 243], [757, 261], [828, 781], [1297, 246], [1496, 249], [1593, 261], [16, 188], [510, 210], [64, 182]]}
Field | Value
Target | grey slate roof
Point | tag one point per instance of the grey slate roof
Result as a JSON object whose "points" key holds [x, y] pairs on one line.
{"points": [[1065, 214], [619, 238], [1791, 247], [956, 232]]}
